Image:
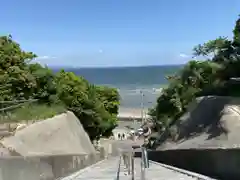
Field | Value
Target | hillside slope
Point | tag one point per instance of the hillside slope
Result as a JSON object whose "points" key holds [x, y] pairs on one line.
{"points": [[210, 122]]}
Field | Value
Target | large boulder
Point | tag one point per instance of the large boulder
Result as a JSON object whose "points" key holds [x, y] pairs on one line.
{"points": [[62, 134]]}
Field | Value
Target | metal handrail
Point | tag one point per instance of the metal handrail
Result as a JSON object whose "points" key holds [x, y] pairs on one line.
{"points": [[132, 163], [145, 157], [119, 165], [19, 101], [6, 107], [14, 106], [144, 162], [128, 161]]}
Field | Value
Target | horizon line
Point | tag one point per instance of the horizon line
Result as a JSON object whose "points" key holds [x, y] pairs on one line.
{"points": [[105, 67]]}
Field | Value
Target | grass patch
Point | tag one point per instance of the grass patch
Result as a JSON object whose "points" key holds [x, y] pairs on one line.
{"points": [[31, 111]]}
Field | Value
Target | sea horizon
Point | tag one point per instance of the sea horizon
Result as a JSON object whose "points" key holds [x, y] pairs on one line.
{"points": [[107, 67], [131, 82]]}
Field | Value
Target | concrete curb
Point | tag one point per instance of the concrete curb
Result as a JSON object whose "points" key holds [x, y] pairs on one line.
{"points": [[189, 173]]}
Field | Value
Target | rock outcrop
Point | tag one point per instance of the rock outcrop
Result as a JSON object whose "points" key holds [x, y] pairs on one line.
{"points": [[62, 134]]}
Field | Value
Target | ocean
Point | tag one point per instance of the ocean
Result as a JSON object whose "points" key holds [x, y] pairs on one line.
{"points": [[131, 81]]}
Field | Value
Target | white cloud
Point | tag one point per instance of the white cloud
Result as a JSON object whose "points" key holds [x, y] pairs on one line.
{"points": [[45, 60], [45, 57], [183, 55]]}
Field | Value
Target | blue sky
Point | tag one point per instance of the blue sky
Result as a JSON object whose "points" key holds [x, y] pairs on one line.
{"points": [[116, 32]]}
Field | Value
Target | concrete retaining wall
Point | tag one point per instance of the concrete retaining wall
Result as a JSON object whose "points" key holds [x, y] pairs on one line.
{"points": [[217, 163], [45, 167], [51, 167]]}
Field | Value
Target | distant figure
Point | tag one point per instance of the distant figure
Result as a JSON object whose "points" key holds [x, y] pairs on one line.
{"points": [[123, 136], [119, 136]]}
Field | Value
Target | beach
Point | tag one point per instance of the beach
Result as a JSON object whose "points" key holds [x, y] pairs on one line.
{"points": [[131, 113]]}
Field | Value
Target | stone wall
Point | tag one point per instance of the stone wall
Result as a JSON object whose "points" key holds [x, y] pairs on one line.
{"points": [[221, 164]]}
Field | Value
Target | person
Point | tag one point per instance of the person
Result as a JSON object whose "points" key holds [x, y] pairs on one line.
{"points": [[119, 136], [123, 136]]}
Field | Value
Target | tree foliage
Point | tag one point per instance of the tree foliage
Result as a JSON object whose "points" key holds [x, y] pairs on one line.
{"points": [[20, 78], [95, 106], [198, 77], [16, 81]]}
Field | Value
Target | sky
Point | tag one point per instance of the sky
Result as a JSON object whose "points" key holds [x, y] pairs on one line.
{"points": [[97, 33]]}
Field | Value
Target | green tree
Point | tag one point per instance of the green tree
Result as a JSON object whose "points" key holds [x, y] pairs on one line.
{"points": [[183, 87], [88, 103], [16, 81], [45, 89], [110, 98]]}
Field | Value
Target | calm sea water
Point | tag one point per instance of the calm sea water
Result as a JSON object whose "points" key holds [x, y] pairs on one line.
{"points": [[130, 81]]}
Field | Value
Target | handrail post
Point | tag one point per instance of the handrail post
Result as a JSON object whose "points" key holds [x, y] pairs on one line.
{"points": [[142, 170], [119, 165], [145, 157], [124, 159], [144, 162], [128, 163], [132, 164]]}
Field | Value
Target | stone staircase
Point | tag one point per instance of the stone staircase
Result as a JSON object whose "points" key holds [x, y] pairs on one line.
{"points": [[107, 170]]}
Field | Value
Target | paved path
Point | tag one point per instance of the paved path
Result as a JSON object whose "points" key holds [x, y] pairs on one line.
{"points": [[107, 170], [103, 170], [158, 172]]}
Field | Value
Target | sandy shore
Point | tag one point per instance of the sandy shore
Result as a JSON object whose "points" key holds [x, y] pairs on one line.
{"points": [[131, 113]]}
